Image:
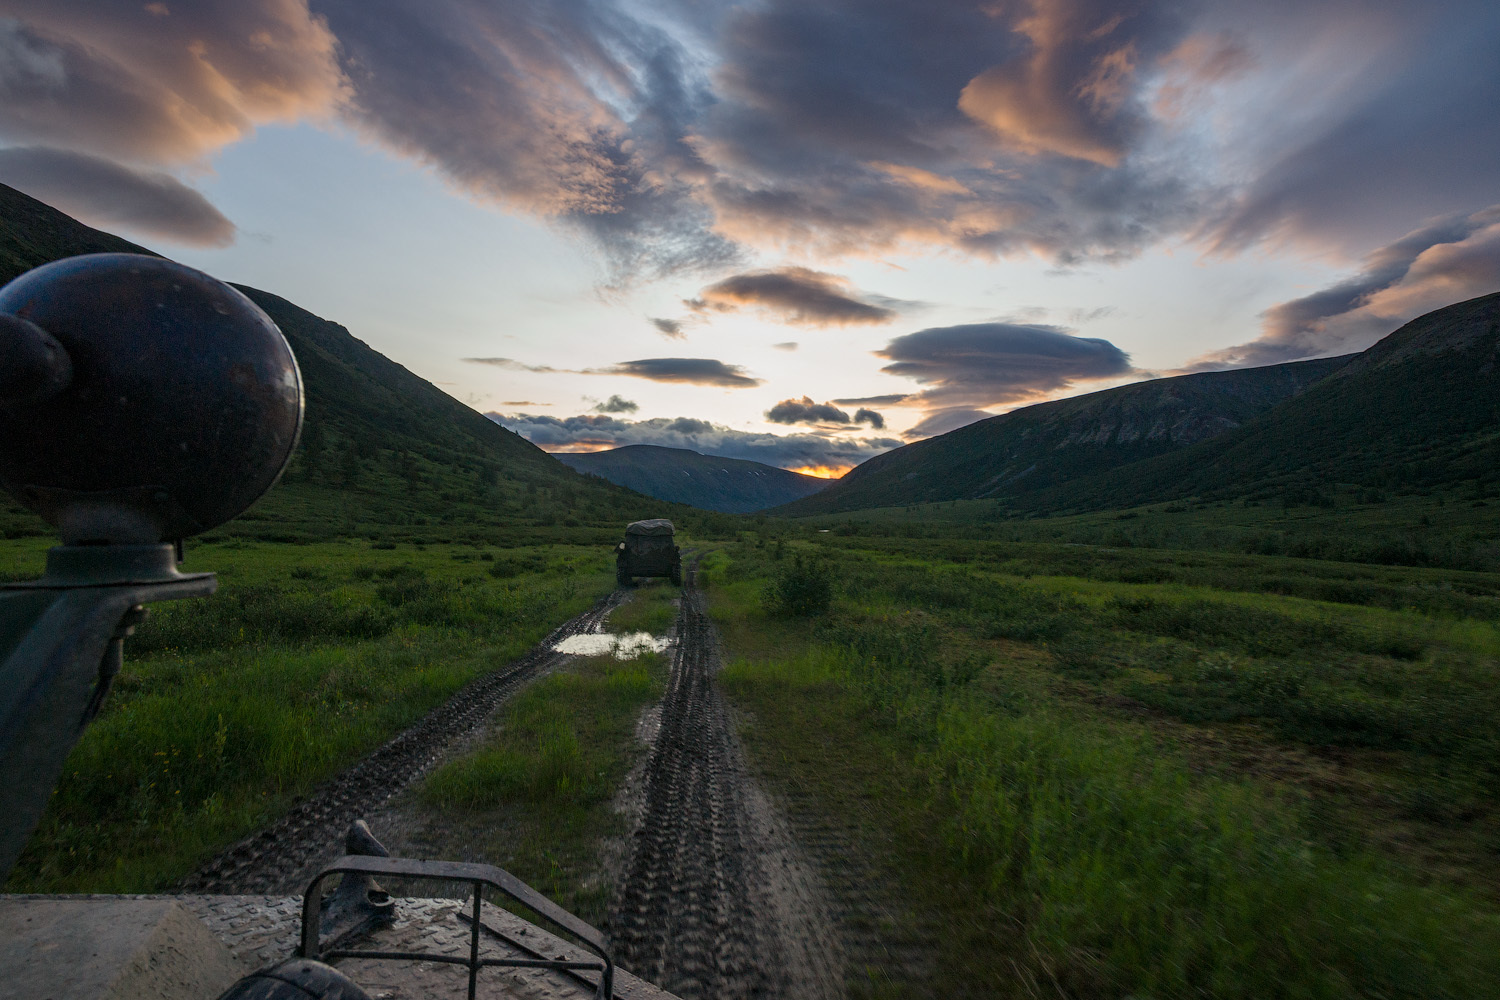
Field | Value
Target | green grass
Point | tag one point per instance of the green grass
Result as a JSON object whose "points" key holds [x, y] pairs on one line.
{"points": [[1112, 788], [310, 656], [540, 790], [652, 608], [1454, 528]]}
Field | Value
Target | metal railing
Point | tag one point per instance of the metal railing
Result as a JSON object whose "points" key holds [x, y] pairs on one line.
{"points": [[478, 876]]}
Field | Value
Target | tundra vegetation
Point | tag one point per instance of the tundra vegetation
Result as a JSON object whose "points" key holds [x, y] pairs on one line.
{"points": [[1108, 771]]}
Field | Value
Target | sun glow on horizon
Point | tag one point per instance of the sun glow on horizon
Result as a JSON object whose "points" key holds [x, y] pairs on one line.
{"points": [[822, 471]]}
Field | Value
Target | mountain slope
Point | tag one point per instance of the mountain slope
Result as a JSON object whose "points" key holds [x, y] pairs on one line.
{"points": [[1419, 410], [381, 446], [729, 485], [1041, 446]]}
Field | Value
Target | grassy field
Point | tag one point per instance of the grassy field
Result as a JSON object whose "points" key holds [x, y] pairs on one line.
{"points": [[1108, 771], [230, 707], [1457, 528]]}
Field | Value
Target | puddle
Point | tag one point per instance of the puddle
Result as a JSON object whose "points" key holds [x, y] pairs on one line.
{"points": [[621, 647]]}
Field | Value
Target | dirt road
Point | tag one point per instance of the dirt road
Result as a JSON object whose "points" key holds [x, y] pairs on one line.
{"points": [[716, 900]]}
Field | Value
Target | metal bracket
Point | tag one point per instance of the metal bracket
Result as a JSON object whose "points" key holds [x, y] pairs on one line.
{"points": [[61, 644], [479, 877]]}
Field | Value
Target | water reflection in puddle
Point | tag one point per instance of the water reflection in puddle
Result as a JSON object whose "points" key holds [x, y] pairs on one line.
{"points": [[621, 647]]}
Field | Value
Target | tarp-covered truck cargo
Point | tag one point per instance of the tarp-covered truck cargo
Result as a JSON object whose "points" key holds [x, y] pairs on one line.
{"points": [[648, 550]]}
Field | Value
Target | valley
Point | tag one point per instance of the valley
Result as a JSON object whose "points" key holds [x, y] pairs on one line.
{"points": [[1182, 688]]}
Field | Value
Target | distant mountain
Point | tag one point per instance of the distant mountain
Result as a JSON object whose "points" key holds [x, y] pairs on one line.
{"points": [[1043, 446], [729, 485], [381, 446], [1419, 410]]}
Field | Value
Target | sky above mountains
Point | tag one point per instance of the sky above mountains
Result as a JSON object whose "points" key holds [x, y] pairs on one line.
{"points": [[796, 231]]}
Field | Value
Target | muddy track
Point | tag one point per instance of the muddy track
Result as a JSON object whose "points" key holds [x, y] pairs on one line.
{"points": [[271, 860], [717, 900]]}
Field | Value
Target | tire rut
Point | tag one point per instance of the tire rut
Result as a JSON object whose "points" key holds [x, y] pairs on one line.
{"points": [[270, 861], [717, 900]]}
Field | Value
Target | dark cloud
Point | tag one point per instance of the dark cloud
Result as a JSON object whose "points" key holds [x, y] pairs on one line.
{"points": [[988, 364], [690, 371], [795, 295], [805, 411], [159, 83], [786, 345], [787, 451], [105, 194], [890, 399], [668, 328], [617, 404], [1412, 138], [1446, 261]]}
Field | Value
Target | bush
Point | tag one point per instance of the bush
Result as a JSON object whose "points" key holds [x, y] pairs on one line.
{"points": [[801, 589]]}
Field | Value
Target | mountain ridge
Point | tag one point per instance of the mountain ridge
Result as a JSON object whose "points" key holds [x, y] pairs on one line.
{"points": [[1418, 410], [727, 485], [1045, 444]]}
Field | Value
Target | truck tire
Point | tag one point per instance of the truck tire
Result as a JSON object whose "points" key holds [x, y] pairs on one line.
{"points": [[621, 576], [677, 574], [295, 979]]}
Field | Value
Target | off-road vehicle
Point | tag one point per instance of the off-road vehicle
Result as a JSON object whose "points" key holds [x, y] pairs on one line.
{"points": [[648, 550]]}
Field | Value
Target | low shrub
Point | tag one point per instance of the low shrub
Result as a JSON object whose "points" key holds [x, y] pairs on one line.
{"points": [[802, 588]]}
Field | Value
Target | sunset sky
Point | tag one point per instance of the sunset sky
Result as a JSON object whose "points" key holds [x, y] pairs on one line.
{"points": [[796, 231]]}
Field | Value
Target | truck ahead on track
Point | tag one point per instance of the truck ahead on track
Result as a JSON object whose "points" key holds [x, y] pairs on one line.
{"points": [[648, 550]]}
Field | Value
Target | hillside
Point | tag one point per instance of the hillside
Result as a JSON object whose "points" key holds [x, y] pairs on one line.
{"points": [[1048, 444], [1418, 411], [723, 484], [382, 449]]}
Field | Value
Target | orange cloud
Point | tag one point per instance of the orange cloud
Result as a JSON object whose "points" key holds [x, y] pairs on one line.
{"points": [[1065, 96], [159, 84]]}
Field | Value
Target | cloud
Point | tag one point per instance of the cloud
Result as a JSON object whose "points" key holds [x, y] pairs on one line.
{"points": [[787, 451], [129, 83], [105, 194], [523, 402], [786, 345], [617, 404], [944, 420], [686, 137], [805, 411], [795, 295], [576, 112], [989, 364], [890, 399], [514, 365], [668, 328], [1445, 261], [689, 371], [1071, 92], [1400, 128], [844, 127]]}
